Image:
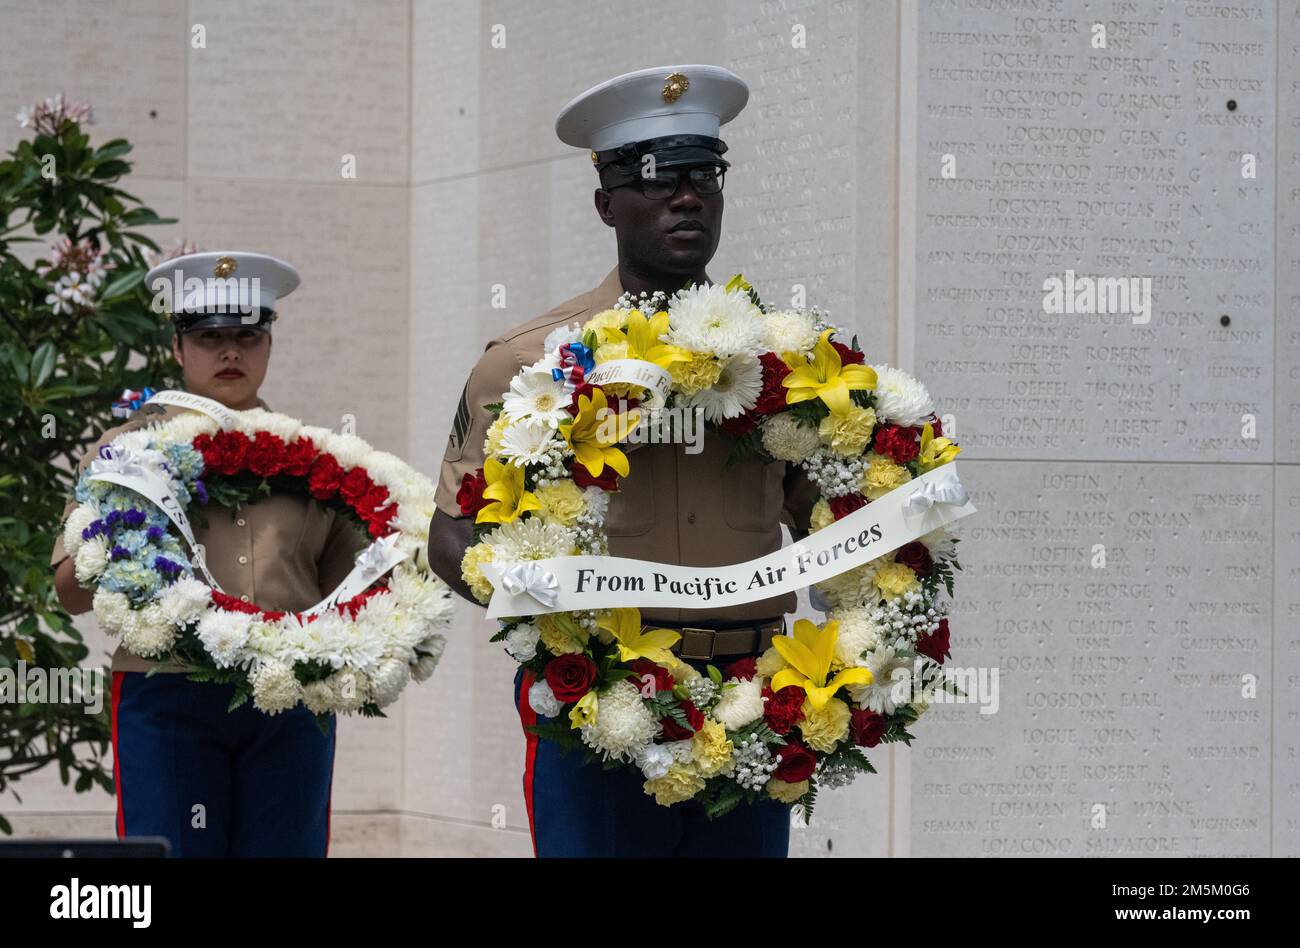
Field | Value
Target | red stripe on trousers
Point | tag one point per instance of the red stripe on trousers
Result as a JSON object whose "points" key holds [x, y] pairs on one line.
{"points": [[528, 718], [117, 770]]}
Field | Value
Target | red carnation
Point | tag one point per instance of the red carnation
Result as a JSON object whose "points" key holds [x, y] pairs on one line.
{"points": [[380, 519], [935, 644], [845, 505], [915, 555], [739, 426], [470, 496], [233, 603], [866, 727], [570, 676], [355, 485], [584, 389], [607, 481], [266, 455], [646, 669], [772, 399], [848, 356], [225, 453], [325, 477], [794, 762], [298, 457], [743, 668], [694, 719], [784, 708], [898, 444], [936, 425]]}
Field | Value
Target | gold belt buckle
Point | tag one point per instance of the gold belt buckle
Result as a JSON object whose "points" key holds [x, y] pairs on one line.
{"points": [[696, 644]]}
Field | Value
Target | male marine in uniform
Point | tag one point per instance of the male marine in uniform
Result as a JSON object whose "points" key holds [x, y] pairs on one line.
{"points": [[653, 138]]}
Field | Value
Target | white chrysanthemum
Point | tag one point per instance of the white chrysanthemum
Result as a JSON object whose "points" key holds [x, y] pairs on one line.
{"points": [[364, 644], [316, 435], [284, 641], [91, 560], [148, 632], [255, 420], [858, 633], [388, 681], [223, 635], [654, 760], [734, 393], [531, 539], [521, 642], [536, 396], [78, 520], [527, 442], [112, 610], [561, 336], [890, 682], [351, 689], [348, 450], [275, 688], [852, 588], [542, 700], [787, 440], [185, 600], [185, 427], [709, 319], [389, 470], [318, 696], [900, 399], [789, 330], [623, 724], [739, 705], [326, 638], [939, 542], [423, 668], [597, 503]]}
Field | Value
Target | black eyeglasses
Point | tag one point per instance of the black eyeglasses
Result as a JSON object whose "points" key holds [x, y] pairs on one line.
{"points": [[664, 183]]}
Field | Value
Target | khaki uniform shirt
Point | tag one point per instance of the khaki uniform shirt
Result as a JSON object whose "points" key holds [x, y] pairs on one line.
{"points": [[673, 507], [282, 552]]}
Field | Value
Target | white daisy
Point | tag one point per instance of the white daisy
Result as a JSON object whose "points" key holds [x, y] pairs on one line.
{"points": [[527, 441], [735, 392], [538, 397], [900, 399], [709, 319], [890, 682]]}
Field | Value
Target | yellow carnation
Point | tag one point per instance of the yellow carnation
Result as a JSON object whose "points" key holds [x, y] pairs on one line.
{"points": [[561, 634], [711, 750], [895, 579], [610, 351], [561, 502], [821, 516], [695, 374], [848, 432], [494, 434], [823, 729], [606, 325], [882, 475], [786, 792], [471, 570], [681, 783], [769, 663]]}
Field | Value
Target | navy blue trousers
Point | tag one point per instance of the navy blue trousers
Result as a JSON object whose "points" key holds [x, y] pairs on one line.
{"points": [[577, 809], [213, 782]]}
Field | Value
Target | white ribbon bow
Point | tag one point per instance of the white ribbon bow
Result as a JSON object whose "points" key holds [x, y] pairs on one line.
{"points": [[113, 460], [946, 489], [377, 558], [530, 578]]}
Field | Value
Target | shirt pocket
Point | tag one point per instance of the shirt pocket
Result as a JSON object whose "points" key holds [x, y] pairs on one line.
{"points": [[752, 495], [632, 510]]}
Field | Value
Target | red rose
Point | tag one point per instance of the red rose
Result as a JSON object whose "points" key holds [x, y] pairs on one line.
{"points": [[266, 455], [325, 476], [935, 644], [743, 668], [899, 444], [608, 480], [570, 676], [936, 425], [584, 389], [784, 708], [843, 506], [772, 399], [915, 555], [470, 496], [794, 762], [694, 719], [298, 457], [866, 727], [646, 669], [849, 356]]}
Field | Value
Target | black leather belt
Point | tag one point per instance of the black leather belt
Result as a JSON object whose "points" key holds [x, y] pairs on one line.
{"points": [[702, 644]]}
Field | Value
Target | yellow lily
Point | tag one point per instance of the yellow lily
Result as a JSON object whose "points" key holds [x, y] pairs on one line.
{"points": [[935, 452], [505, 488], [625, 626], [738, 282], [642, 335], [594, 434], [826, 377], [809, 654], [583, 711]]}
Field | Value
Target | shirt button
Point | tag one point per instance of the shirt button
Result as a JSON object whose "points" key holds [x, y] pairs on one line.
{"points": [[243, 599], [690, 518], [243, 560], [241, 521]]}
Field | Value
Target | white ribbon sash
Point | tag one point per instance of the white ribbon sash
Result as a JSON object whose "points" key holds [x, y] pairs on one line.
{"points": [[567, 583], [636, 372], [373, 562], [213, 409]]}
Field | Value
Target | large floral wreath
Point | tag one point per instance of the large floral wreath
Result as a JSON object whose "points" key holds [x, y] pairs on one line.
{"points": [[780, 384], [354, 656]]}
